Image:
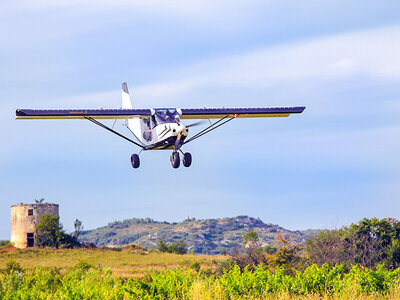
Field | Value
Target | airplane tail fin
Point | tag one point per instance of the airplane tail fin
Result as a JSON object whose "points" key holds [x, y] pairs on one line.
{"points": [[126, 99], [133, 124]]}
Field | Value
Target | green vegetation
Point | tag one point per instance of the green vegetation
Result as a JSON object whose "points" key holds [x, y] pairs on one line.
{"points": [[50, 233], [368, 243], [211, 236], [85, 281], [366, 267], [178, 248]]}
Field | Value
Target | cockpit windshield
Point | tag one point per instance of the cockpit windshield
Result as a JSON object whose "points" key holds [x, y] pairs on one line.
{"points": [[162, 116]]}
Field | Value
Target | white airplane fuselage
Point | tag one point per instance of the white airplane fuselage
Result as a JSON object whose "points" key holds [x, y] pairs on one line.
{"points": [[160, 131]]}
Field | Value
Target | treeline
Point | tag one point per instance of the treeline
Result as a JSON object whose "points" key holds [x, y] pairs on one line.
{"points": [[369, 243], [133, 221]]}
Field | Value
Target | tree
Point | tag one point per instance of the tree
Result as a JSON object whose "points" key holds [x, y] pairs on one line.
{"points": [[328, 246], [253, 254], [49, 231], [288, 254], [162, 246], [178, 248], [250, 238], [78, 229]]}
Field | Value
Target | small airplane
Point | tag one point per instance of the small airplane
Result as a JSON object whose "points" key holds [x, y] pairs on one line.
{"points": [[158, 128]]}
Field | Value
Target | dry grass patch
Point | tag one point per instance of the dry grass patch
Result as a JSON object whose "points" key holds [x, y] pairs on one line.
{"points": [[122, 261]]}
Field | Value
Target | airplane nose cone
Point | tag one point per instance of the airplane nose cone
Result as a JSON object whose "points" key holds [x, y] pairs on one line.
{"points": [[178, 128]]}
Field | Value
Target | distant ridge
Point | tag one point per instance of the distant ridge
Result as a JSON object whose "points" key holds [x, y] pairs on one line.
{"points": [[209, 236]]}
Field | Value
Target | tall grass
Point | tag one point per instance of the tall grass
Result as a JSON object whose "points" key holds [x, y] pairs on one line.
{"points": [[125, 262], [87, 282]]}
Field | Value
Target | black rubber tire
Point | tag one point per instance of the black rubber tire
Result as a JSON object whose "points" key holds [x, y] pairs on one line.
{"points": [[135, 161], [187, 159], [175, 160]]}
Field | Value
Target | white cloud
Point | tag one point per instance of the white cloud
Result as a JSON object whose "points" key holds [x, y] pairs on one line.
{"points": [[303, 67], [363, 56]]}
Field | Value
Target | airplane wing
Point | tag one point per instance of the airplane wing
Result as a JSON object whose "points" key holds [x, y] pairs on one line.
{"points": [[257, 112], [187, 113], [80, 113]]}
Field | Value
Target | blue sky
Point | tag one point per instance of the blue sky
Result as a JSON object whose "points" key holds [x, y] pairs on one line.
{"points": [[335, 164]]}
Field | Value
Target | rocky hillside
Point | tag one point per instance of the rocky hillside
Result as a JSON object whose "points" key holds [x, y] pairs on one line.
{"points": [[210, 236]]}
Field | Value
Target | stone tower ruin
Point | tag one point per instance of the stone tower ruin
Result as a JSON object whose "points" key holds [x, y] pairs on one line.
{"points": [[24, 218]]}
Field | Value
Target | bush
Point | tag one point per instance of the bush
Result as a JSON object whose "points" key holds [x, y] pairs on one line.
{"points": [[12, 266], [4, 243], [196, 266], [178, 248], [84, 266]]}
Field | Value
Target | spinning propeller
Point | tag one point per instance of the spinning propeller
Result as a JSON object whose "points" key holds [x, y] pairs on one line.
{"points": [[178, 139], [195, 124]]}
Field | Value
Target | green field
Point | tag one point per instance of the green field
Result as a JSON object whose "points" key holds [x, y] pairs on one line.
{"points": [[132, 273]]}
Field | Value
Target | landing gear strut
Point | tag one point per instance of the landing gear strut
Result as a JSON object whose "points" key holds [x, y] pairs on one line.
{"points": [[135, 161], [175, 159]]}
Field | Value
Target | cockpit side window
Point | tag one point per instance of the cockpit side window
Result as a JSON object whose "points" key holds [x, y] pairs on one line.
{"points": [[146, 122], [153, 121]]}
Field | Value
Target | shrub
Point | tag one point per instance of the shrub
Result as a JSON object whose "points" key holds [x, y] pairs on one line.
{"points": [[178, 248]]}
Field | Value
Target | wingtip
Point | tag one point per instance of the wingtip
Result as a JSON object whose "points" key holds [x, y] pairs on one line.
{"points": [[125, 87], [18, 113]]}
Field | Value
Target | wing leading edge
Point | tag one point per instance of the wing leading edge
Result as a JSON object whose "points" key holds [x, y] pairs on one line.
{"points": [[187, 113]]}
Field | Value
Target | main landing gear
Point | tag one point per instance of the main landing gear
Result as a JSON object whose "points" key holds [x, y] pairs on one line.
{"points": [[187, 159], [135, 161], [176, 161]]}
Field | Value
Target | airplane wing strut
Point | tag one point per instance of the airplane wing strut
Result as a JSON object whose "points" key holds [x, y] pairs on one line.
{"points": [[210, 128], [113, 131]]}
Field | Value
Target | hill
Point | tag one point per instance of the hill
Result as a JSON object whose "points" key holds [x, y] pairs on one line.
{"points": [[210, 236]]}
